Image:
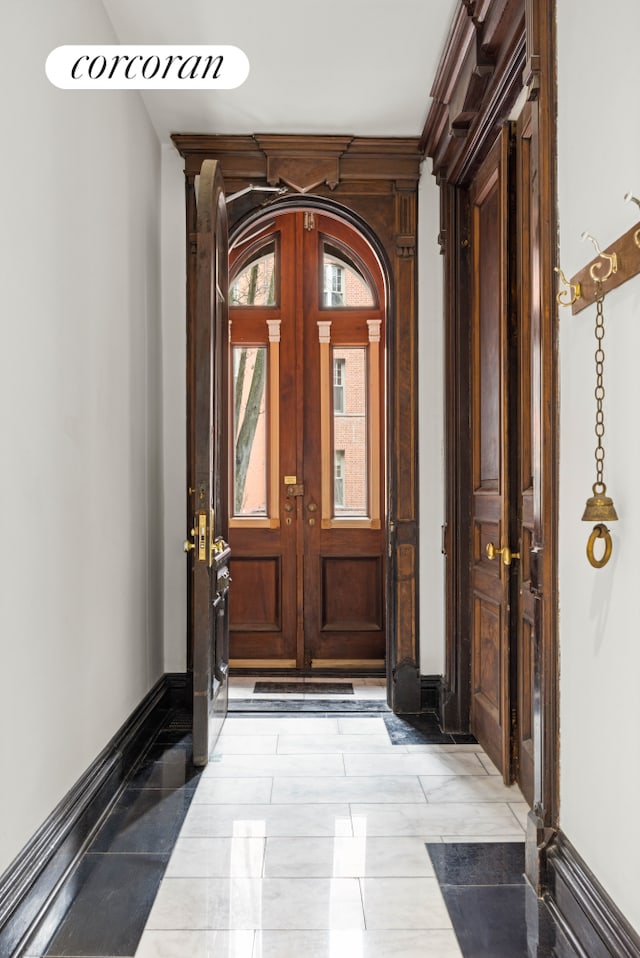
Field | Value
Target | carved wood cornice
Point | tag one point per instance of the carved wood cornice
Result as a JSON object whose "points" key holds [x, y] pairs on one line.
{"points": [[477, 82], [305, 162]]}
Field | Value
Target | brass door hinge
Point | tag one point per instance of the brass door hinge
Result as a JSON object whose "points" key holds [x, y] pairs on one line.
{"points": [[309, 221]]}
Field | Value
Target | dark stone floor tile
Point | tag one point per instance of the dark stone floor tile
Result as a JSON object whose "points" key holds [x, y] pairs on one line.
{"points": [[463, 738], [419, 729], [174, 736], [167, 765], [113, 895], [504, 921], [178, 752], [144, 820], [478, 863], [167, 775]]}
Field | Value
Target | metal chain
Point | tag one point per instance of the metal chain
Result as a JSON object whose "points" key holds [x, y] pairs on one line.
{"points": [[599, 487]]}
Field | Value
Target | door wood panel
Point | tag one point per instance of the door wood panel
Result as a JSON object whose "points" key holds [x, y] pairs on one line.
{"points": [[257, 600]]}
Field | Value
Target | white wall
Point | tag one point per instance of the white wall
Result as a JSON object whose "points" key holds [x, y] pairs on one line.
{"points": [[81, 533], [599, 160], [431, 427], [174, 407]]}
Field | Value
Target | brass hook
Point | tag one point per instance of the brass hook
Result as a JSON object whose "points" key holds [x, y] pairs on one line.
{"points": [[630, 198], [595, 268], [574, 290]]}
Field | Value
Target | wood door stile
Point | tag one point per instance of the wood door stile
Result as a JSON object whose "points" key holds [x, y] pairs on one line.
{"points": [[527, 228], [490, 699], [208, 565]]}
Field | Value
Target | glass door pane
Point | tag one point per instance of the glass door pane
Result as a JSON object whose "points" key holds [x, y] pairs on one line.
{"points": [[250, 430], [350, 432]]}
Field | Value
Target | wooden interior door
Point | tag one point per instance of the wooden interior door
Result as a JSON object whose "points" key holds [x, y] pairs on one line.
{"points": [[306, 526], [493, 493], [207, 548]]}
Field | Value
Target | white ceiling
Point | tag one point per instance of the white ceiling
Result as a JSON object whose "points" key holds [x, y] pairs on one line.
{"points": [[360, 67]]}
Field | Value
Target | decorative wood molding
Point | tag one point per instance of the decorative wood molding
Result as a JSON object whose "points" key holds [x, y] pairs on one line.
{"points": [[29, 886], [485, 51], [590, 919], [305, 162]]}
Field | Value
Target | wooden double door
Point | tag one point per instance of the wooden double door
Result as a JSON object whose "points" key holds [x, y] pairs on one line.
{"points": [[306, 527], [503, 235]]}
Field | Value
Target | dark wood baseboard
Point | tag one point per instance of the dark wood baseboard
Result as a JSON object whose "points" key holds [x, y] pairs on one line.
{"points": [[430, 693], [592, 922], [29, 885]]}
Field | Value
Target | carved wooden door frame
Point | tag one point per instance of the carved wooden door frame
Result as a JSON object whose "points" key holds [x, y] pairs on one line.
{"points": [[373, 183], [499, 57]]}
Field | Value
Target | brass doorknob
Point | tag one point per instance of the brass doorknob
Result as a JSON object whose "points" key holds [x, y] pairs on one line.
{"points": [[505, 552], [188, 545]]}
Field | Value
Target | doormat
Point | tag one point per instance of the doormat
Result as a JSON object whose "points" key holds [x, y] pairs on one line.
{"points": [[300, 708], [297, 688]]}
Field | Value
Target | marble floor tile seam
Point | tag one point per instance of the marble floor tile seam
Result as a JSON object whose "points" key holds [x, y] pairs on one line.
{"points": [[285, 944], [287, 765], [378, 790], [245, 904], [275, 746], [300, 790]]}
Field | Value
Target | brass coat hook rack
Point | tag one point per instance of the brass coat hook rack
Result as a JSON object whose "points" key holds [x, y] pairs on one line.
{"points": [[609, 269]]}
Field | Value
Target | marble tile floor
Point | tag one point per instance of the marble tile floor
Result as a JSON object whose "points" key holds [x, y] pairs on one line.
{"points": [[306, 835]]}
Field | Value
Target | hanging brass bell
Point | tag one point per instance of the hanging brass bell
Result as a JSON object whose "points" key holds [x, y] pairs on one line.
{"points": [[599, 507]]}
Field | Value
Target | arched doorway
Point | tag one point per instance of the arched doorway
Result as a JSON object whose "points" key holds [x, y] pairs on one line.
{"points": [[371, 183], [306, 433]]}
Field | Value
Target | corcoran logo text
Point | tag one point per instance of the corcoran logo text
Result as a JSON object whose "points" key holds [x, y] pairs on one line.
{"points": [[147, 67]]}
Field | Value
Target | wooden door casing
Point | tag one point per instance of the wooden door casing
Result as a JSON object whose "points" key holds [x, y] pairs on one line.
{"points": [[518, 77], [308, 591], [372, 182], [490, 711]]}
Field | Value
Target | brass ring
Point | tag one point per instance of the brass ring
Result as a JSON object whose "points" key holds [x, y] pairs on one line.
{"points": [[600, 531]]}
